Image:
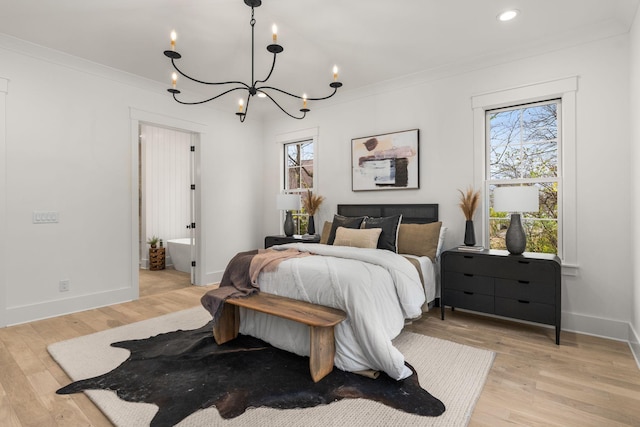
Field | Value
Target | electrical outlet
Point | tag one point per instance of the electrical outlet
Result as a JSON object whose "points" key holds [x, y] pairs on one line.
{"points": [[64, 285]]}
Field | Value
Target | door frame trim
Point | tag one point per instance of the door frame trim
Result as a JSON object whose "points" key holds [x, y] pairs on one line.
{"points": [[137, 117]]}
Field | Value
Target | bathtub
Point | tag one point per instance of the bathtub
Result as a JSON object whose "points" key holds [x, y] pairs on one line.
{"points": [[180, 253]]}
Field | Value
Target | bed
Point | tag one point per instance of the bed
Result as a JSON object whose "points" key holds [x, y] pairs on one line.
{"points": [[379, 289], [411, 214]]}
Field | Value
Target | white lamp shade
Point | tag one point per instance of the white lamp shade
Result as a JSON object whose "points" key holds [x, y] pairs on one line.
{"points": [[288, 202], [516, 199]]}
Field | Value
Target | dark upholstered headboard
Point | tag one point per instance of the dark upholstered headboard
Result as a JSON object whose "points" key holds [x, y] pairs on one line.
{"points": [[411, 214]]}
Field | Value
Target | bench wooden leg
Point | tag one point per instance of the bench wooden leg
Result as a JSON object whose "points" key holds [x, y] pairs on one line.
{"points": [[227, 327], [322, 351]]}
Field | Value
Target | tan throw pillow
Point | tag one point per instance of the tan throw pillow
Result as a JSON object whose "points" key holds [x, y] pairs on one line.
{"points": [[419, 239], [357, 238], [326, 231], [343, 221]]}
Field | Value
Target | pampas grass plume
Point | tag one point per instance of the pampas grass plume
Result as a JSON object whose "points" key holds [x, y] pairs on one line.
{"points": [[469, 202], [311, 202]]}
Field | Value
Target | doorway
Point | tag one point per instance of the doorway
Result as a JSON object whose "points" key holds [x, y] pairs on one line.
{"points": [[166, 196]]}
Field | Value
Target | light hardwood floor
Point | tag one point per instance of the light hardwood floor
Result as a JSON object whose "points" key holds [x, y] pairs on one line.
{"points": [[586, 381]]}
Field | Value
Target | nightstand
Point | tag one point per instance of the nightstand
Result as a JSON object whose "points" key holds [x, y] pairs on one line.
{"points": [[525, 287], [280, 240]]}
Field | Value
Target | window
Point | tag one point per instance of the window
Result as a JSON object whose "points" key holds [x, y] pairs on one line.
{"points": [[563, 93], [298, 176], [523, 144]]}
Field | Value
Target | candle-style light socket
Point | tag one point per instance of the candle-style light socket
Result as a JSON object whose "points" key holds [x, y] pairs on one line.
{"points": [[275, 48], [172, 54]]}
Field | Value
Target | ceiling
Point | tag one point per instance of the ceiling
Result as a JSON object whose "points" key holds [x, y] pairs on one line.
{"points": [[372, 42]]}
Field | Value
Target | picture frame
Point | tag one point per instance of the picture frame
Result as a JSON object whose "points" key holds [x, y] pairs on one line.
{"points": [[388, 161]]}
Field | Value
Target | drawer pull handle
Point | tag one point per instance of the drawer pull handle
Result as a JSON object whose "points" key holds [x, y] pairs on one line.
{"points": [[523, 262], [526, 282], [521, 301], [468, 256], [467, 293], [468, 275]]}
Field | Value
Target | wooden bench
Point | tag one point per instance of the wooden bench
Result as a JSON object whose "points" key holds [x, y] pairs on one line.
{"points": [[320, 319]]}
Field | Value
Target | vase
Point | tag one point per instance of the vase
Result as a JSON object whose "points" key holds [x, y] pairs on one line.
{"points": [[469, 233], [311, 227], [515, 239], [288, 224]]}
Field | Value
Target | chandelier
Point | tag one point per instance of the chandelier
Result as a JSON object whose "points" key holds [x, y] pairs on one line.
{"points": [[257, 87]]}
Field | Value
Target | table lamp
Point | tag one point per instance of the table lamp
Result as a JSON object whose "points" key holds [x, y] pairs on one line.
{"points": [[288, 203], [516, 200]]}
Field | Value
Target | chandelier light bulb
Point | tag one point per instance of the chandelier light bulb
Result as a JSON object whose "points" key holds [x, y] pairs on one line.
{"points": [[274, 30], [174, 79], [304, 100], [173, 40], [240, 105], [335, 73]]}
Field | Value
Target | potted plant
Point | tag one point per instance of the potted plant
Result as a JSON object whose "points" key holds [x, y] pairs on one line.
{"points": [[469, 203], [153, 241], [311, 204]]}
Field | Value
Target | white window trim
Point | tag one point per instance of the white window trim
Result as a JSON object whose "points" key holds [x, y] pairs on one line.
{"points": [[297, 136], [565, 89], [4, 90]]}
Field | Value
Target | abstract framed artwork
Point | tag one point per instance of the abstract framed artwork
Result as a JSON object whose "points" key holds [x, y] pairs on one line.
{"points": [[385, 162]]}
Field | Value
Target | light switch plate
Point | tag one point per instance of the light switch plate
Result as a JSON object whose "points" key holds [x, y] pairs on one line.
{"points": [[45, 217]]}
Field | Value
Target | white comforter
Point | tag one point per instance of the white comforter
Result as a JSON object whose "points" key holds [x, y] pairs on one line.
{"points": [[377, 289]]}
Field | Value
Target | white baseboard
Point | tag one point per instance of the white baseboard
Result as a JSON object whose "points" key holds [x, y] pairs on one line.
{"points": [[634, 344], [597, 326], [48, 309], [211, 277]]}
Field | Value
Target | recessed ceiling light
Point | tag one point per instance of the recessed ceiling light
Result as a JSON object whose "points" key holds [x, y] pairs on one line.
{"points": [[508, 15]]}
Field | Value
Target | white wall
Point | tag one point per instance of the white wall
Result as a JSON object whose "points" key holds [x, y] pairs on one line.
{"points": [[597, 300], [69, 149], [634, 335]]}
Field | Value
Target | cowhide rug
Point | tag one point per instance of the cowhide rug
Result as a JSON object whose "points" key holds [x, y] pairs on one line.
{"points": [[184, 371]]}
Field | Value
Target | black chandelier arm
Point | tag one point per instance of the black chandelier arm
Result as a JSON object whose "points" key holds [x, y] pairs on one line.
{"points": [[173, 62], [246, 107], [273, 66], [304, 111], [243, 114], [210, 99], [333, 85]]}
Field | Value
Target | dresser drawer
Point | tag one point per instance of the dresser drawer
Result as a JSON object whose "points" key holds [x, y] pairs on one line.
{"points": [[535, 291], [470, 282], [529, 270], [531, 311], [470, 263], [469, 300]]}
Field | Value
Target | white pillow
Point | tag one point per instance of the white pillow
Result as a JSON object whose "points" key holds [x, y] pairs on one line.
{"points": [[357, 237], [443, 231]]}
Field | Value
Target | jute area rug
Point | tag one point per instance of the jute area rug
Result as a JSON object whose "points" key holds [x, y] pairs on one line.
{"points": [[451, 372]]}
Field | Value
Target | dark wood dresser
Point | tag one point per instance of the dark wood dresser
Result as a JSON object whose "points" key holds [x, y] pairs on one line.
{"points": [[525, 287]]}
